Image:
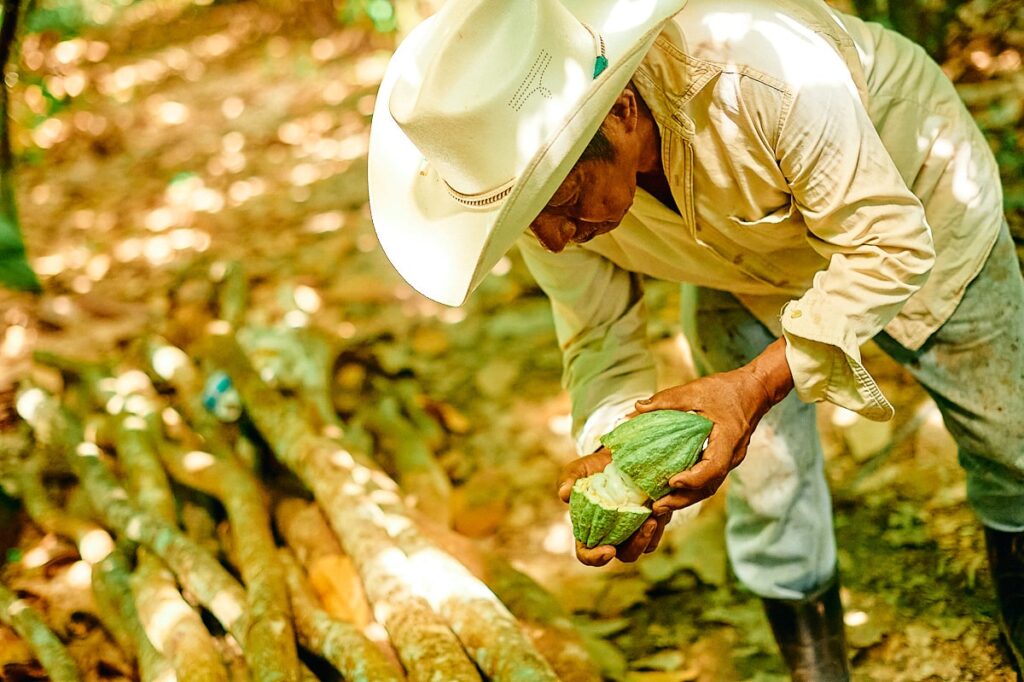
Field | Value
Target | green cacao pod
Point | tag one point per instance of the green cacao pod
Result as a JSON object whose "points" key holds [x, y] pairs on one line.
{"points": [[606, 508], [652, 447]]}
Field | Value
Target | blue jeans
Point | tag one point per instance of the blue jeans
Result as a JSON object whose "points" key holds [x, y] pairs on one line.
{"points": [[779, 530]]}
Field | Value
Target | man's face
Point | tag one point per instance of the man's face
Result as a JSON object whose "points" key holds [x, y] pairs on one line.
{"points": [[595, 196], [592, 200]]}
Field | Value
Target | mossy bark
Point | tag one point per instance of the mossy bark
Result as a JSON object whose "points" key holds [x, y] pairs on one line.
{"points": [[196, 570], [343, 487], [340, 644], [111, 585], [215, 470], [429, 650], [51, 653]]}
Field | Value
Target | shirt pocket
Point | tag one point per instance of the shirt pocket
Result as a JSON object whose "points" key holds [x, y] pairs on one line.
{"points": [[777, 230], [751, 243]]}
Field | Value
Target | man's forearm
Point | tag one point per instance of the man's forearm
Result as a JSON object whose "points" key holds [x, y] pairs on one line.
{"points": [[771, 370]]}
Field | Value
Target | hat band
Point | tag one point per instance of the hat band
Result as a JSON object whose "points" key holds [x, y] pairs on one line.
{"points": [[481, 198]]}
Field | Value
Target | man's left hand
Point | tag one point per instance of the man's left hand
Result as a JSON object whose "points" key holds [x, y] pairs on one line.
{"points": [[644, 540]]}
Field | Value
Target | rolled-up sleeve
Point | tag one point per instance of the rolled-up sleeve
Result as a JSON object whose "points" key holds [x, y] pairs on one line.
{"points": [[601, 325], [862, 217]]}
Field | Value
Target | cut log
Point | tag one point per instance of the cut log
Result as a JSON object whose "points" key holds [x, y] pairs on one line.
{"points": [[214, 470], [110, 573], [331, 573], [170, 623], [196, 570], [173, 627], [270, 628], [304, 528], [542, 617], [144, 476], [482, 623], [112, 589], [418, 472], [340, 644], [429, 650], [300, 361], [51, 653]]}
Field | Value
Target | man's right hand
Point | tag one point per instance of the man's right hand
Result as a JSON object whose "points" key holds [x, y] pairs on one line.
{"points": [[644, 540]]}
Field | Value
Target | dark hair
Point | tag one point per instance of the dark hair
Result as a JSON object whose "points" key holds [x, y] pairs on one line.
{"points": [[600, 148]]}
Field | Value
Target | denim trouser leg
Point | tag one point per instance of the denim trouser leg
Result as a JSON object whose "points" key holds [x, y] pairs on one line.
{"points": [[973, 367], [779, 529]]}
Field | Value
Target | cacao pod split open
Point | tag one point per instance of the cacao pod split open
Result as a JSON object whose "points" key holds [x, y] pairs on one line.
{"points": [[647, 450]]}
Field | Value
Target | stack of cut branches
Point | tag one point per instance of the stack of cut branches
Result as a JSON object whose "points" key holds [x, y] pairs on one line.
{"points": [[266, 548]]}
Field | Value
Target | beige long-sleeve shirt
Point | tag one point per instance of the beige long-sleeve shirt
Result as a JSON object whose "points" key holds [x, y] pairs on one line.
{"points": [[825, 172]]}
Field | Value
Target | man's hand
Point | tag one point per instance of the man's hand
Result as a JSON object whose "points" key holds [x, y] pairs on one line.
{"points": [[735, 401], [645, 539]]}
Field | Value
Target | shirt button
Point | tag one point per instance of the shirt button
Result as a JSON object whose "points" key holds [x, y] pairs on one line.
{"points": [[795, 314]]}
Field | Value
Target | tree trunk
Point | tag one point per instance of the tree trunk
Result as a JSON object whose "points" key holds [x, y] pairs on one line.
{"points": [[14, 270]]}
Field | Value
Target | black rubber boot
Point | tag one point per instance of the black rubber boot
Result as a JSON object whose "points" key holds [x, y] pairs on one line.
{"points": [[1006, 559], [810, 636]]}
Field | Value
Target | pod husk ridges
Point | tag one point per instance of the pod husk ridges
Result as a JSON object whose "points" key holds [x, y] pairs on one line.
{"points": [[654, 446]]}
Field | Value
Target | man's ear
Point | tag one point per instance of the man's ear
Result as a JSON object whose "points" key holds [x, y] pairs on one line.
{"points": [[626, 109]]}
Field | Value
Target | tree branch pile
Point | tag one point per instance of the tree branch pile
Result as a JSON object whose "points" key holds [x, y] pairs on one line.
{"points": [[188, 577]]}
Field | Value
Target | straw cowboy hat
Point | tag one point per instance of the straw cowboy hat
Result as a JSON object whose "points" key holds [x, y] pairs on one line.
{"points": [[483, 111]]}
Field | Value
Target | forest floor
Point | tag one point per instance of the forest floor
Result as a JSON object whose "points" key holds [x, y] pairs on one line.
{"points": [[215, 134]]}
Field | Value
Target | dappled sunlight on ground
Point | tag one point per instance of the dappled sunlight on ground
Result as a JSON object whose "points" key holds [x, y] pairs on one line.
{"points": [[234, 133]]}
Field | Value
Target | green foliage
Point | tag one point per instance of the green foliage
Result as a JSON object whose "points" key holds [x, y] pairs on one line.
{"points": [[15, 272], [1010, 156], [923, 21], [64, 17], [380, 13]]}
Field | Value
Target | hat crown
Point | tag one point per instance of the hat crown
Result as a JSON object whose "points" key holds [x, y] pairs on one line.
{"points": [[497, 80]]}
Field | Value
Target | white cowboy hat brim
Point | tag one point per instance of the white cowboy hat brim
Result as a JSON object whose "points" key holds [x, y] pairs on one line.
{"points": [[443, 248]]}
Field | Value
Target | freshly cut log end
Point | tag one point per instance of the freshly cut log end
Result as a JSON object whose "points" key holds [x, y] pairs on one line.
{"points": [[651, 448], [606, 508]]}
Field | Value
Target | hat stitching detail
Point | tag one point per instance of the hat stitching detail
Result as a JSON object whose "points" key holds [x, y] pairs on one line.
{"points": [[536, 72]]}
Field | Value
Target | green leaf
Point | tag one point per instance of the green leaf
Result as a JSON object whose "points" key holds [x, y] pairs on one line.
{"points": [[15, 272]]}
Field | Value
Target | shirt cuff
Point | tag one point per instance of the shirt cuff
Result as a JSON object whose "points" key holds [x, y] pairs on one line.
{"points": [[602, 420], [824, 358]]}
